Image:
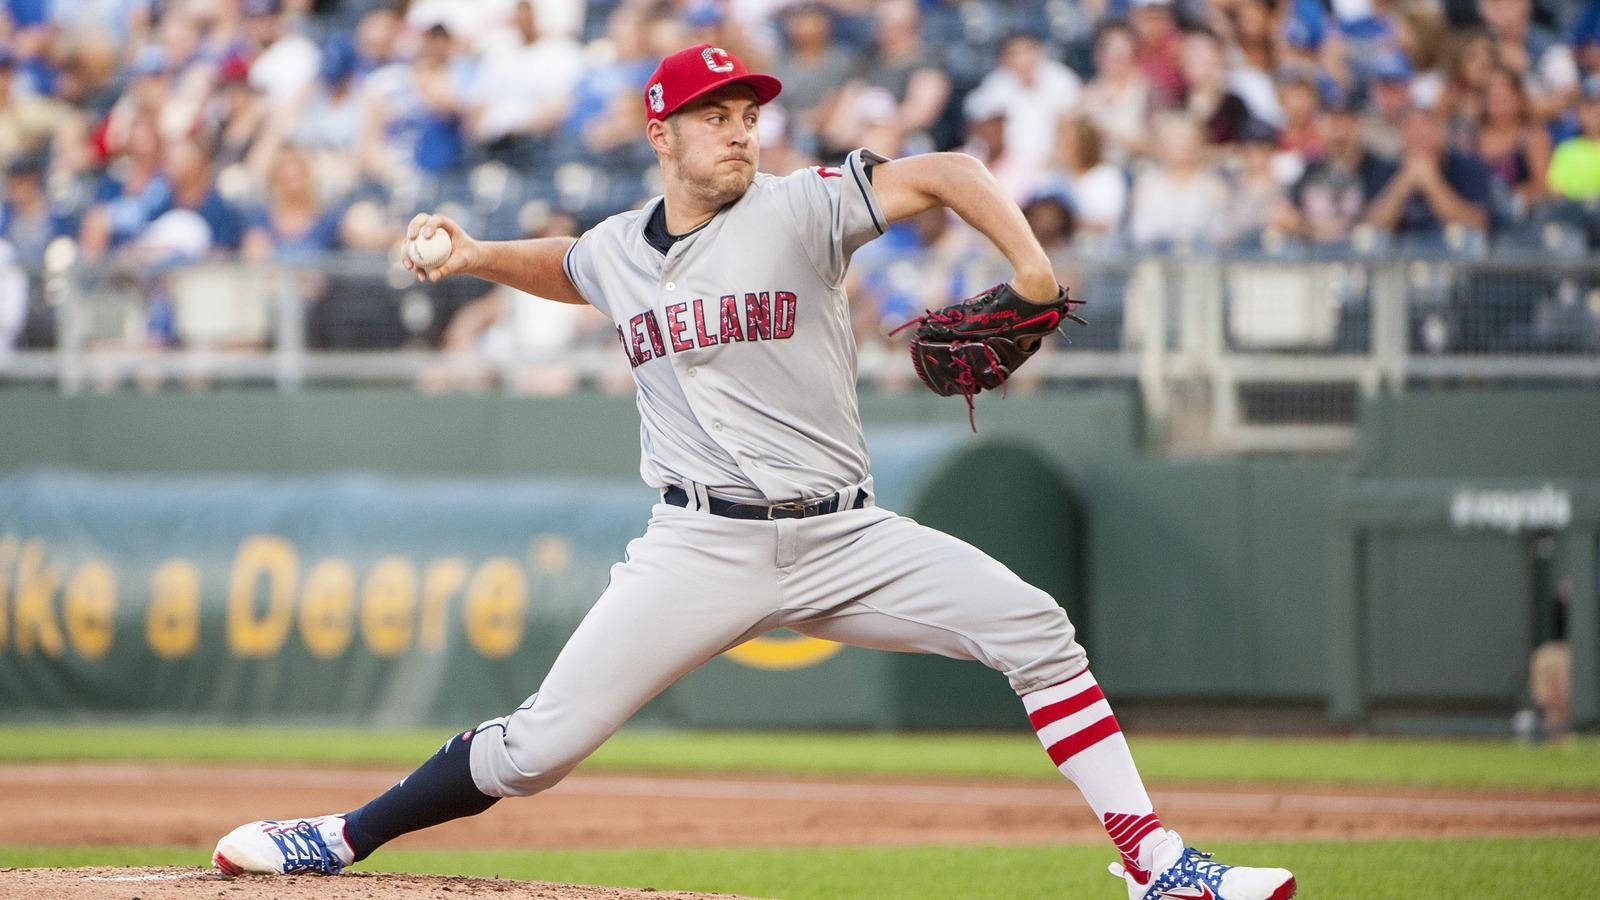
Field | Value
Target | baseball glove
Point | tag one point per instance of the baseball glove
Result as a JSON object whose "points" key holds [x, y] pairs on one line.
{"points": [[976, 344]]}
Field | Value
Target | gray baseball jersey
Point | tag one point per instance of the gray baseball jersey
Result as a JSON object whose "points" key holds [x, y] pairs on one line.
{"points": [[742, 348]]}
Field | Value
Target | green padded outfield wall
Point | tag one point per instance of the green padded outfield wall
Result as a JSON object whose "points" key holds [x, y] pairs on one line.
{"points": [[1162, 560]]}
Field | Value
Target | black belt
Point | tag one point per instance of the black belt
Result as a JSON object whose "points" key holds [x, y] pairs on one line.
{"points": [[793, 509]]}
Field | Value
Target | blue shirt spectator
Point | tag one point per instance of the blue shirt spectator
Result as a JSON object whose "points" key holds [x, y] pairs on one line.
{"points": [[26, 217], [1434, 186]]}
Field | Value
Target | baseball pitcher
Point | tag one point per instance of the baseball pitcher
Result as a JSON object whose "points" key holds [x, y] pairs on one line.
{"points": [[728, 301]]}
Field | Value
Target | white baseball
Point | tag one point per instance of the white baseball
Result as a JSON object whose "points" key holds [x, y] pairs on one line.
{"points": [[428, 252]]}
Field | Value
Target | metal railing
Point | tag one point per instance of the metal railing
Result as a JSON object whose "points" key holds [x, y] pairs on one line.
{"points": [[1231, 352]]}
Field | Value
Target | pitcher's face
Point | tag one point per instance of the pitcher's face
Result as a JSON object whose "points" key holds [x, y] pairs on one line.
{"points": [[712, 148]]}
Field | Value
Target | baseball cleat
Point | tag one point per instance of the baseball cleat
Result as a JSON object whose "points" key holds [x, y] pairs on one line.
{"points": [[1184, 873], [284, 848]]}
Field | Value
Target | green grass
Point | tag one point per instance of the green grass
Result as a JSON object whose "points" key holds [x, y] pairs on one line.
{"points": [[1413, 870], [1443, 763]]}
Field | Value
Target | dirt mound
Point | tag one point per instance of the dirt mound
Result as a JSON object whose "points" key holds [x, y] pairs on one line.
{"points": [[171, 883]]}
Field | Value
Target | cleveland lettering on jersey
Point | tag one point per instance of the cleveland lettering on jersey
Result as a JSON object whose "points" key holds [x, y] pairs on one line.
{"points": [[699, 323]]}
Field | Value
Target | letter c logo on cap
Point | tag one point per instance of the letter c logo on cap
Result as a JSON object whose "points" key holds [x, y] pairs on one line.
{"points": [[716, 59]]}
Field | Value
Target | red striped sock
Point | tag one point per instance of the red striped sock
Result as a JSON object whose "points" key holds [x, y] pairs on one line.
{"points": [[1078, 730], [1128, 831]]}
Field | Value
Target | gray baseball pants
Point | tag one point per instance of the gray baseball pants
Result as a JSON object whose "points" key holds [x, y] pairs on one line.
{"points": [[695, 585]]}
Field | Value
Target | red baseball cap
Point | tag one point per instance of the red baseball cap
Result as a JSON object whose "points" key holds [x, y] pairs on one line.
{"points": [[698, 70]]}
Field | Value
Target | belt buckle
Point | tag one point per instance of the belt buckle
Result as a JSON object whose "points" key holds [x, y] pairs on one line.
{"points": [[798, 506]]}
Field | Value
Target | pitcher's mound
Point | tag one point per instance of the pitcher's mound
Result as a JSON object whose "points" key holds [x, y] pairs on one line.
{"points": [[174, 883]]}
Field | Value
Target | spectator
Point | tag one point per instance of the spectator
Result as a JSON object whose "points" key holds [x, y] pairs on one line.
{"points": [[1433, 187], [1575, 167], [1211, 101], [924, 262], [1157, 44], [606, 87], [328, 130], [1180, 201], [518, 334], [187, 70], [1099, 190], [1248, 27], [1300, 95], [132, 194], [145, 97], [189, 171], [812, 66], [901, 66], [1389, 103], [779, 155], [87, 79], [1330, 199], [1117, 99], [985, 115], [295, 225], [376, 34], [1035, 92], [1365, 31], [283, 63], [240, 119], [1468, 61], [524, 90], [1536, 55], [1257, 192], [1585, 37], [1550, 671], [1050, 217], [1511, 144], [414, 113], [26, 121], [27, 221]]}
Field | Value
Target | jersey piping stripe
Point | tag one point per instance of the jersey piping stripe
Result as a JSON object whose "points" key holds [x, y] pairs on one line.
{"points": [[566, 265], [500, 724], [855, 172], [1068, 747]]}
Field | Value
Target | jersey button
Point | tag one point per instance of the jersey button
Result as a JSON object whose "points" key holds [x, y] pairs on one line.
{"points": [[716, 426], [672, 285], [691, 371]]}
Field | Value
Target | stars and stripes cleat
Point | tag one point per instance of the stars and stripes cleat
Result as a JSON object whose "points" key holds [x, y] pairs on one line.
{"points": [[284, 848], [1177, 872]]}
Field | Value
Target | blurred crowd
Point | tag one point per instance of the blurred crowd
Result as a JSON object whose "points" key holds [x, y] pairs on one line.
{"points": [[146, 132]]}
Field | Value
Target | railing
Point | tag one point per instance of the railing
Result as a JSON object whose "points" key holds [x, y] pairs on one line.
{"points": [[1231, 352]]}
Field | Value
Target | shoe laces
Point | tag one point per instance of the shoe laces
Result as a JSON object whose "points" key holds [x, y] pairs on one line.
{"points": [[305, 849], [1196, 866]]}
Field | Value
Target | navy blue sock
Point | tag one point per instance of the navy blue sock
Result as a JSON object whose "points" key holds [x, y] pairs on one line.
{"points": [[439, 790]]}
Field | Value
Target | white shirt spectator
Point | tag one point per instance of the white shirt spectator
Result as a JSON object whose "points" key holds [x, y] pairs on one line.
{"points": [[482, 22], [1100, 197], [1032, 110], [285, 70], [1177, 209], [1033, 92], [517, 82]]}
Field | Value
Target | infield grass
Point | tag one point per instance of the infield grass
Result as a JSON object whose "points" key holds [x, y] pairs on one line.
{"points": [[1413, 870], [1351, 761]]}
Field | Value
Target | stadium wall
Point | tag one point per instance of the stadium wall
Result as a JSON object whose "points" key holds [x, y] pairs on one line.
{"points": [[1190, 577]]}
